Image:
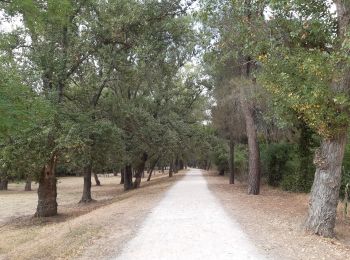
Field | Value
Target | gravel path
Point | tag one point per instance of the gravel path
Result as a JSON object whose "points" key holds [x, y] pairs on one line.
{"points": [[190, 223]]}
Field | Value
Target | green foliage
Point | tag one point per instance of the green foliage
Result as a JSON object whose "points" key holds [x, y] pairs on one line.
{"points": [[109, 74], [299, 69], [284, 166], [279, 161], [221, 156], [25, 124], [300, 81], [20, 107], [241, 160]]}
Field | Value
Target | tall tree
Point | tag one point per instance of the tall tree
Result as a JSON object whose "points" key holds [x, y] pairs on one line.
{"points": [[307, 68]]}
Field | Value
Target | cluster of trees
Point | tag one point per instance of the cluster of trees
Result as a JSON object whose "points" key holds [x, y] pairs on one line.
{"points": [[93, 85], [96, 85], [280, 71]]}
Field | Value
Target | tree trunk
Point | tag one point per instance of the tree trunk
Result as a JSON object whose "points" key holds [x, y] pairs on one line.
{"points": [[28, 186], [325, 190], [222, 172], [253, 147], [328, 160], [209, 166], [152, 168], [3, 184], [140, 170], [127, 177], [181, 164], [122, 171], [232, 162], [176, 165], [98, 183], [171, 169], [86, 198], [205, 166], [47, 191]]}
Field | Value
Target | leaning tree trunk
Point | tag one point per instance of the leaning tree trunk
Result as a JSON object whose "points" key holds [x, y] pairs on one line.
{"points": [[325, 190], [47, 191], [128, 177], [253, 147], [140, 170], [28, 186], [232, 162], [98, 183], [86, 198], [328, 160], [152, 168], [209, 166]]}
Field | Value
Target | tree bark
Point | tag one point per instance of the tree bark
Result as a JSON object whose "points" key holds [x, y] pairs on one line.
{"points": [[140, 170], [28, 186], [176, 165], [98, 183], [328, 159], [171, 169], [181, 164], [152, 168], [253, 147], [209, 166], [222, 172], [325, 190], [3, 184], [232, 162], [122, 171], [47, 191], [128, 178], [86, 198]]}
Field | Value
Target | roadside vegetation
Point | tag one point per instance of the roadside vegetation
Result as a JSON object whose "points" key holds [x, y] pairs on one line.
{"points": [[256, 89]]}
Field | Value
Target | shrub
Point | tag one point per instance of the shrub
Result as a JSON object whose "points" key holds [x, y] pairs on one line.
{"points": [[221, 156], [280, 162]]}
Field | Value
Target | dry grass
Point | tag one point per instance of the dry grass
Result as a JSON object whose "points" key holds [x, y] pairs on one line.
{"points": [[78, 228], [274, 221]]}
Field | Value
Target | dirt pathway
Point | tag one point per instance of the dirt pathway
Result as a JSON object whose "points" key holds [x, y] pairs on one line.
{"points": [[189, 223], [274, 221]]}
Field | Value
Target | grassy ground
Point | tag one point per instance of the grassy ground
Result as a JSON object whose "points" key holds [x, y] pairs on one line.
{"points": [[78, 230]]}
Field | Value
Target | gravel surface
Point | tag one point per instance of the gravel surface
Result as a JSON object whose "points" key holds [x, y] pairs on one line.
{"points": [[190, 223]]}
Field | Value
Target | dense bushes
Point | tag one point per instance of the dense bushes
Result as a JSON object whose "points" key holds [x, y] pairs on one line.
{"points": [[286, 165], [241, 162], [279, 162], [283, 166], [221, 157]]}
